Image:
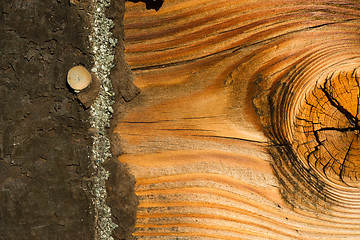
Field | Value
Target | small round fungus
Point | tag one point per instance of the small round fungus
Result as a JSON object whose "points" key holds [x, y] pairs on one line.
{"points": [[78, 78]]}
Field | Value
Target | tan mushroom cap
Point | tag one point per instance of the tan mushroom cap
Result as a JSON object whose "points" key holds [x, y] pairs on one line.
{"points": [[78, 78]]}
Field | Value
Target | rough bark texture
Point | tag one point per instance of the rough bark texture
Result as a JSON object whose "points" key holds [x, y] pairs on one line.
{"points": [[120, 186], [44, 138]]}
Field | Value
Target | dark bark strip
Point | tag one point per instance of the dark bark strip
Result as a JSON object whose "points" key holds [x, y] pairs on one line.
{"points": [[121, 196], [44, 137]]}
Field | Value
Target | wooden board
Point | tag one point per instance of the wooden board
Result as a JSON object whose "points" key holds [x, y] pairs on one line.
{"points": [[221, 84]]}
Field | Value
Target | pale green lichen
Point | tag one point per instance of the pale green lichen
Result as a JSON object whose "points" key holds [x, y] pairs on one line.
{"points": [[103, 46]]}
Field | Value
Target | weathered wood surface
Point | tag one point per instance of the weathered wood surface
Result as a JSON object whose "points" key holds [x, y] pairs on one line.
{"points": [[217, 138]]}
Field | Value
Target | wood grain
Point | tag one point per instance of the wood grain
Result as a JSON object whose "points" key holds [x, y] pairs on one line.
{"points": [[212, 137]]}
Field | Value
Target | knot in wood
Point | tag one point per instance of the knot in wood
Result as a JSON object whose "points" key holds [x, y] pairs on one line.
{"points": [[326, 129]]}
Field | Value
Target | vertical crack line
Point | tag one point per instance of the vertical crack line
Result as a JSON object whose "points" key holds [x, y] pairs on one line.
{"points": [[103, 49], [342, 166], [358, 95]]}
